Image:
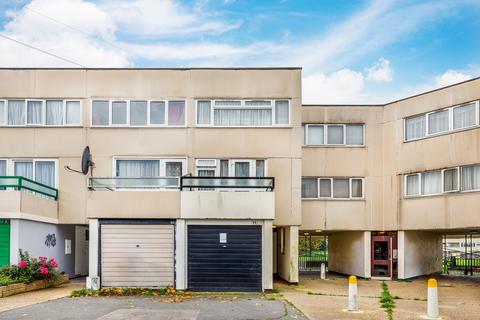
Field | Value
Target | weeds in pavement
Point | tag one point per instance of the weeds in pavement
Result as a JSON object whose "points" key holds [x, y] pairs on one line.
{"points": [[386, 301], [168, 291]]}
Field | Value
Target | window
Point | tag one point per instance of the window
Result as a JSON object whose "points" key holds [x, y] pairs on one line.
{"points": [[54, 115], [243, 113], [464, 116], [470, 179], [41, 170], [233, 168], [445, 120], [309, 188], [333, 134], [3, 112], [72, 113], [138, 113], [354, 135], [415, 127], [332, 188], [176, 113], [100, 113], [157, 112], [450, 180], [16, 112], [457, 179], [35, 112], [340, 188], [149, 168], [3, 170], [438, 121], [316, 135], [119, 113], [412, 183], [325, 188], [431, 182]]}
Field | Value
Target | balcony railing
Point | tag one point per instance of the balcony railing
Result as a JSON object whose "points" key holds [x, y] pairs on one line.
{"points": [[21, 183], [183, 183], [209, 183], [112, 183]]}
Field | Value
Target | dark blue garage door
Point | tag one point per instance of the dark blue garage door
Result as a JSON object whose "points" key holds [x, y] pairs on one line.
{"points": [[224, 258]]}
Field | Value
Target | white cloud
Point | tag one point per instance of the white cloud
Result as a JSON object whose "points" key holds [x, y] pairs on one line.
{"points": [[451, 77], [36, 30], [380, 71], [153, 18], [342, 86]]}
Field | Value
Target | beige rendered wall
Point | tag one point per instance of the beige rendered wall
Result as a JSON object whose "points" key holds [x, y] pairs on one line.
{"points": [[452, 211], [419, 253], [25, 205], [287, 262], [349, 253], [280, 146], [340, 161]]}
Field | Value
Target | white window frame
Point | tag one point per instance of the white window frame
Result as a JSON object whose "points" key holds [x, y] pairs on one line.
{"points": [[5, 113], [349, 198], [11, 166], [162, 161], [44, 113], [325, 135], [231, 166], [148, 124], [6, 166], [65, 113], [419, 185], [242, 106], [450, 121], [458, 180]]}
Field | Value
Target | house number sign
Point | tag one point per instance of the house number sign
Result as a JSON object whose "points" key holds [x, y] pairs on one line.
{"points": [[223, 237]]}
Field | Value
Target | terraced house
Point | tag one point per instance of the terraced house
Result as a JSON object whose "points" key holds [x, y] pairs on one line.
{"points": [[205, 178]]}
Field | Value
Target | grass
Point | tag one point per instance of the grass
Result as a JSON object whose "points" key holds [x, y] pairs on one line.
{"points": [[387, 301]]}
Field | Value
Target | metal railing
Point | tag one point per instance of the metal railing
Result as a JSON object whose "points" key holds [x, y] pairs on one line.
{"points": [[183, 183], [113, 183], [209, 183], [22, 183]]}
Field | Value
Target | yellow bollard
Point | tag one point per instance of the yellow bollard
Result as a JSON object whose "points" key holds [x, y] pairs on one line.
{"points": [[352, 294], [432, 299]]}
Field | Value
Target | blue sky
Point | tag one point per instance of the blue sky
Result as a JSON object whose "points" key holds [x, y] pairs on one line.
{"points": [[369, 51]]}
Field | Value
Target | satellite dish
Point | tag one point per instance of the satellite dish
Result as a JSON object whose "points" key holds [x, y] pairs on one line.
{"points": [[86, 162]]}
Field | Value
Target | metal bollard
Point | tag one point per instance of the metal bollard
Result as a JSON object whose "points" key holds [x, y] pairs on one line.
{"points": [[352, 294], [322, 271], [432, 301]]}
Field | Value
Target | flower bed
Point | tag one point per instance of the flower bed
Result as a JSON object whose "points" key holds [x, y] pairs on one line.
{"points": [[17, 288], [30, 274]]}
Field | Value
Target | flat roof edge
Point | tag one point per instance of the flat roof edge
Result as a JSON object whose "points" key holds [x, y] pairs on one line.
{"points": [[133, 69]]}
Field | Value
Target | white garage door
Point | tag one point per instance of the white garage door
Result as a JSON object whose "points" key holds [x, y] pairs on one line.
{"points": [[137, 255]]}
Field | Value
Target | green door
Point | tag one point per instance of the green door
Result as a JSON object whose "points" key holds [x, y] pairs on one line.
{"points": [[4, 243]]}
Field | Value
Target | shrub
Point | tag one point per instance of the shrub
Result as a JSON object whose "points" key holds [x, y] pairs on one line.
{"points": [[28, 270]]}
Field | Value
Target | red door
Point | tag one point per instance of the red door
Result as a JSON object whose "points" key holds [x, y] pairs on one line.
{"points": [[381, 256]]}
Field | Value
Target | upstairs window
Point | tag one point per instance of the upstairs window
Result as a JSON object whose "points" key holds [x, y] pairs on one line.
{"points": [[38, 112], [231, 167], [333, 134], [138, 113], [243, 113], [149, 168], [442, 121], [332, 188], [43, 171]]}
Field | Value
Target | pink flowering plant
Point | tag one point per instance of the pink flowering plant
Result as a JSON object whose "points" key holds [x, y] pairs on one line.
{"points": [[29, 269]]}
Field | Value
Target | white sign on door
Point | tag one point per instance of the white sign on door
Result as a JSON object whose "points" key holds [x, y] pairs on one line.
{"points": [[223, 237]]}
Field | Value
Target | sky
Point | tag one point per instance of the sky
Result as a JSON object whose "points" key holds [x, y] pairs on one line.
{"points": [[357, 52]]}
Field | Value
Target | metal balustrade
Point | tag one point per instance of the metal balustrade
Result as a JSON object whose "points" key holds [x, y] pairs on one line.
{"points": [[22, 183]]}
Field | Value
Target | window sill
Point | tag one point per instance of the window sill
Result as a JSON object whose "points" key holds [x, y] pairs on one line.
{"points": [[450, 193], [314, 146], [40, 126], [333, 199], [443, 134]]}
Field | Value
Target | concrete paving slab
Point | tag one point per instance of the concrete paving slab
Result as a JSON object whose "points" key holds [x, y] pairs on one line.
{"points": [[150, 314]]}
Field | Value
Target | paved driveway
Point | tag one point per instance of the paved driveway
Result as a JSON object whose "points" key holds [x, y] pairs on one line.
{"points": [[139, 308]]}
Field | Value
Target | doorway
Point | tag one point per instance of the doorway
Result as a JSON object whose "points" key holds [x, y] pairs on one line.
{"points": [[81, 250], [384, 255]]}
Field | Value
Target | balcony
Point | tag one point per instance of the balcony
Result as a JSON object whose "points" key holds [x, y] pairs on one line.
{"points": [[24, 198], [181, 197]]}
